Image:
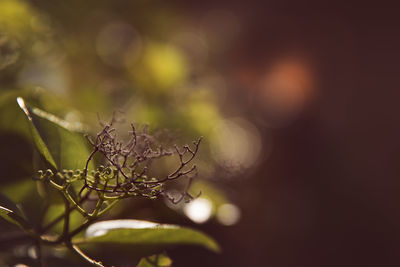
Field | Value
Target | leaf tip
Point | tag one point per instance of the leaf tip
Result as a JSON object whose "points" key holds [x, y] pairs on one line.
{"points": [[22, 105], [213, 246]]}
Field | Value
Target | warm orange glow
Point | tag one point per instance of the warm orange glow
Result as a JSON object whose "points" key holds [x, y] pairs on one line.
{"points": [[287, 86]]}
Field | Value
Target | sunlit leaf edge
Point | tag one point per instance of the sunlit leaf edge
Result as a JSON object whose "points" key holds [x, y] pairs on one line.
{"points": [[152, 234], [37, 139], [13, 218]]}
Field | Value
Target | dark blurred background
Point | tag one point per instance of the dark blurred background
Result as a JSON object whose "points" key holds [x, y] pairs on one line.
{"points": [[297, 100]]}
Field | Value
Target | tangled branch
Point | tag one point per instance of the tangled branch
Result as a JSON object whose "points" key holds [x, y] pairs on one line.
{"points": [[126, 172], [126, 169]]}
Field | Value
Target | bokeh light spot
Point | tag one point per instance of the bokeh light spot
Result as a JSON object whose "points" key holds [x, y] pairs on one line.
{"points": [[286, 87], [236, 143], [199, 210], [228, 214]]}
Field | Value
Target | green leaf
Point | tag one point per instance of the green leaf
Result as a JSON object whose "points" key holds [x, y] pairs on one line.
{"points": [[11, 213], [37, 139], [159, 260], [146, 233], [61, 143], [20, 190], [11, 118]]}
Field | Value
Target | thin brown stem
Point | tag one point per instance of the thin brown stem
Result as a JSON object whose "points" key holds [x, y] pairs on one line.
{"points": [[80, 253]]}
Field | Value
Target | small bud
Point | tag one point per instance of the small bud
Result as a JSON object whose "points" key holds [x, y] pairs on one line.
{"points": [[48, 173]]}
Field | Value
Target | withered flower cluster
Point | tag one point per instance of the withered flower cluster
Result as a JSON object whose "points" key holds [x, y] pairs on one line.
{"points": [[128, 164], [126, 169], [126, 172]]}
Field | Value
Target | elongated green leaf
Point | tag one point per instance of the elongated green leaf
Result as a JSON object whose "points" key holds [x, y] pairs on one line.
{"points": [[11, 213], [159, 260], [144, 233], [61, 143], [37, 139]]}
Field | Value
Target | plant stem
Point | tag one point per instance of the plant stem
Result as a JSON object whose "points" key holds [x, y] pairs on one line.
{"points": [[85, 257], [39, 252], [55, 221], [112, 204], [59, 218], [82, 227], [65, 231]]}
